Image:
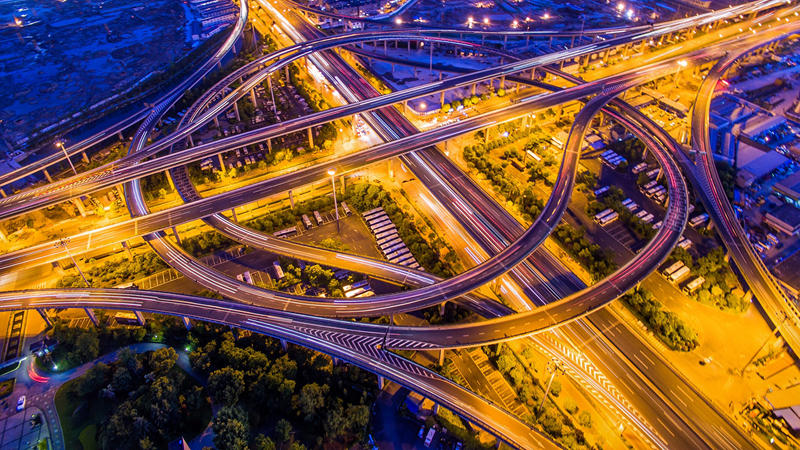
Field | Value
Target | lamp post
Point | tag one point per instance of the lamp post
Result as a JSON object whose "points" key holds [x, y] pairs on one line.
{"points": [[64, 243], [553, 366], [335, 204], [61, 145]]}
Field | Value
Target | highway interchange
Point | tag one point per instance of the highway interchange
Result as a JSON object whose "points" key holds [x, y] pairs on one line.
{"points": [[311, 321]]}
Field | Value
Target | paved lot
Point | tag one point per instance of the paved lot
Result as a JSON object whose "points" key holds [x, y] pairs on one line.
{"points": [[16, 431]]}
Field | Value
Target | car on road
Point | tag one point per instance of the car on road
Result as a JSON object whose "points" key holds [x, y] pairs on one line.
{"points": [[421, 432], [21, 403]]}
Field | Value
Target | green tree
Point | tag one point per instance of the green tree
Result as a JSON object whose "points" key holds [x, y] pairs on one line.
{"points": [[283, 431], [231, 429], [226, 385], [311, 400]]}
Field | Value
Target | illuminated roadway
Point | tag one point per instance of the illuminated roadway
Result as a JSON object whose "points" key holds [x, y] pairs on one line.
{"points": [[779, 308], [118, 172]]}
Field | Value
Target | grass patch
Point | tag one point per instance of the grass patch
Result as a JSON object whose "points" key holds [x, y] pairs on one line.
{"points": [[74, 426], [87, 437]]}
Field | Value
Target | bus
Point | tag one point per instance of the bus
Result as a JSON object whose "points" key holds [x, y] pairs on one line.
{"points": [[632, 206], [641, 167], [356, 285], [600, 192], [365, 294], [692, 286], [385, 234], [642, 213], [379, 223], [388, 242], [394, 256], [698, 220], [648, 218], [608, 218], [389, 226], [276, 266], [394, 248], [602, 214], [353, 292], [286, 232], [306, 221], [685, 243], [376, 217], [649, 185], [402, 256], [372, 211], [346, 209], [387, 246], [672, 268], [653, 173], [318, 217], [657, 225], [679, 274]]}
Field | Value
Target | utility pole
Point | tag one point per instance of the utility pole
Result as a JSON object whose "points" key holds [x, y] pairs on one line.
{"points": [[335, 205], [64, 243]]}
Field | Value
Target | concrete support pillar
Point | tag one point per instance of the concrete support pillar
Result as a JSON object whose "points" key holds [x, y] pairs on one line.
{"points": [[127, 249], [120, 136], [442, 308], [336, 361], [436, 408], [91, 316], [474, 88], [84, 157], [79, 204], [169, 180], [42, 312], [291, 198], [441, 98], [503, 82], [47, 175], [381, 382], [385, 50], [284, 345], [186, 322], [216, 122], [3, 193], [221, 162], [310, 138], [269, 145], [177, 237], [441, 357], [236, 110], [139, 318], [233, 213], [191, 141]]}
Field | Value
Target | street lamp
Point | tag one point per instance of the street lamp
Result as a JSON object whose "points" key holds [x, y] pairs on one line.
{"points": [[332, 172], [553, 366], [61, 144], [64, 243]]}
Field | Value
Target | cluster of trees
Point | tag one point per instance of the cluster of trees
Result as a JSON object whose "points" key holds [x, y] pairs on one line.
{"points": [[521, 374], [146, 400], [727, 176], [155, 186], [631, 149], [287, 217], [597, 261], [300, 398], [113, 273], [665, 324], [314, 275], [206, 243], [435, 255], [312, 97], [466, 102], [721, 287]]}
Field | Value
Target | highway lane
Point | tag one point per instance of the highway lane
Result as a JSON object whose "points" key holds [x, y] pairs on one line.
{"points": [[115, 173], [361, 351], [284, 181], [780, 310]]}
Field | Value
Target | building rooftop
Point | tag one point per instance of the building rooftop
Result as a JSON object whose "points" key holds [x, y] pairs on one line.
{"points": [[765, 164], [790, 185]]}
